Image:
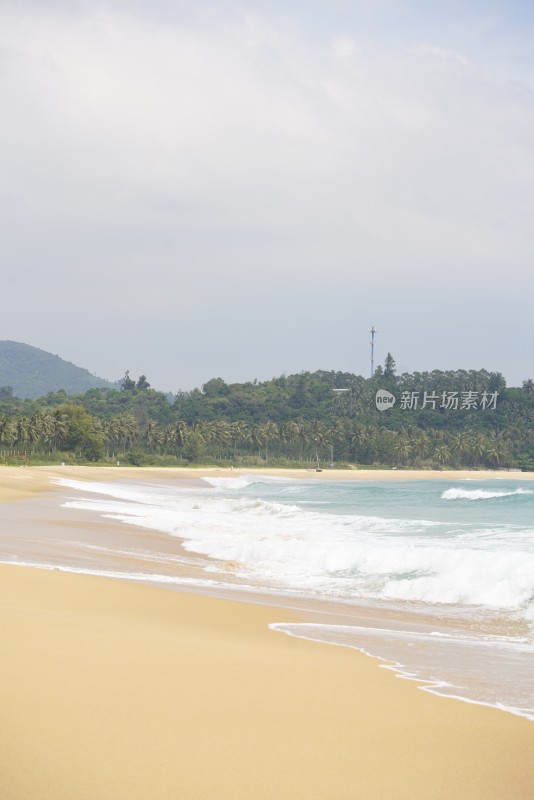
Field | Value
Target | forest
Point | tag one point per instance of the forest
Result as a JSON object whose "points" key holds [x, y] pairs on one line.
{"points": [[436, 420]]}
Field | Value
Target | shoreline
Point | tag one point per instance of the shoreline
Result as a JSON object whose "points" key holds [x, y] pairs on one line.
{"points": [[125, 691], [195, 695], [26, 481]]}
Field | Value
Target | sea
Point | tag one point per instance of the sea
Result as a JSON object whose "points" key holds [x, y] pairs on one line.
{"points": [[433, 577]]}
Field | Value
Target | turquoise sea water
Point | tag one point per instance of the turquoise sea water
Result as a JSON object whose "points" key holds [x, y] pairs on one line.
{"points": [[448, 568]]}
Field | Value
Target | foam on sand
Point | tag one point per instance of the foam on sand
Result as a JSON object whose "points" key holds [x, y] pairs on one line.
{"points": [[118, 691]]}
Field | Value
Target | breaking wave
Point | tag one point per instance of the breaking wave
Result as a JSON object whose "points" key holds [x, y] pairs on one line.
{"points": [[293, 547], [479, 494]]}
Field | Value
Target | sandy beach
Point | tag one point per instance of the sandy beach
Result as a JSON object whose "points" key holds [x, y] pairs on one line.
{"points": [[116, 690], [18, 482]]}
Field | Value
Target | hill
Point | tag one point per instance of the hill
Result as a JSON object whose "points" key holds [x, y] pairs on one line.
{"points": [[32, 372]]}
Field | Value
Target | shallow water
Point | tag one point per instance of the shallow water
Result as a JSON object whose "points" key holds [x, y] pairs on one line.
{"points": [[453, 563]]}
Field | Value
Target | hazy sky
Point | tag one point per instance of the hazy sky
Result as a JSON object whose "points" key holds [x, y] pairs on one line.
{"points": [[194, 189]]}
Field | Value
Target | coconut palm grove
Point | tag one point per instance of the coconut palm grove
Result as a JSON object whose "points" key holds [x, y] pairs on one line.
{"points": [[438, 419]]}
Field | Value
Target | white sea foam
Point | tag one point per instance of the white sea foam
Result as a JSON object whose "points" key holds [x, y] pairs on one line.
{"points": [[349, 555], [228, 483], [454, 666], [471, 564], [480, 494], [243, 481], [137, 577]]}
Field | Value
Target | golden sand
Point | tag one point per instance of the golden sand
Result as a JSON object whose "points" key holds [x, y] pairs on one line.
{"points": [[116, 691]]}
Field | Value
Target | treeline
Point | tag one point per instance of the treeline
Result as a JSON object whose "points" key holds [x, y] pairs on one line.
{"points": [[439, 419]]}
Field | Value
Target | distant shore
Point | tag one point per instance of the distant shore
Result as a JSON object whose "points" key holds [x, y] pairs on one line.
{"points": [[121, 691], [18, 482]]}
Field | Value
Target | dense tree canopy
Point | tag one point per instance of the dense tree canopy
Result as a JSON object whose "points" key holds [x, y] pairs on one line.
{"points": [[438, 419]]}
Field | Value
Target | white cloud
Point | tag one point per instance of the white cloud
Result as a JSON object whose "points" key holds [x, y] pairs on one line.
{"points": [[344, 48], [198, 155], [441, 53]]}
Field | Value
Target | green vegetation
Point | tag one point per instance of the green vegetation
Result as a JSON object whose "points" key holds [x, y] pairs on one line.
{"points": [[287, 421], [26, 371]]}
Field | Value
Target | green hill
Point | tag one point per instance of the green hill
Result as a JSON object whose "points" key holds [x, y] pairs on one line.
{"points": [[32, 372]]}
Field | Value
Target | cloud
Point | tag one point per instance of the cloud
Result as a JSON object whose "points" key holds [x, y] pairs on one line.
{"points": [[440, 52], [193, 158]]}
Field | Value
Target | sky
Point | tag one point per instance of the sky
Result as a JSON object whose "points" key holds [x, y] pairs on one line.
{"points": [[242, 189]]}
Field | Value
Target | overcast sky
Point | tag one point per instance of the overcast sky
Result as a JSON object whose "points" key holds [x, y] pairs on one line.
{"points": [[195, 189]]}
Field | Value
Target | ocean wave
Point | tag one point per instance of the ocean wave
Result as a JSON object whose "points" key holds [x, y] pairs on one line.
{"points": [[347, 555], [228, 483], [315, 557], [395, 546], [242, 481], [480, 494]]}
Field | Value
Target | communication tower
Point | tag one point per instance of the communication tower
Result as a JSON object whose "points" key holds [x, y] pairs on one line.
{"points": [[372, 332]]}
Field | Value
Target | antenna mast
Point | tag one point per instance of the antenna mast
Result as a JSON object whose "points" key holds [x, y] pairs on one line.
{"points": [[372, 332]]}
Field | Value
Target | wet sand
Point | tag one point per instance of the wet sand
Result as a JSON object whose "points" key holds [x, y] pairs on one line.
{"points": [[119, 691]]}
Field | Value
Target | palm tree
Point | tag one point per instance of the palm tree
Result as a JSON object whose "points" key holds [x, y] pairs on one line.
{"points": [[152, 435], [59, 428], [21, 430], [461, 444], [402, 449], [204, 431], [420, 445], [258, 437], [7, 433], [180, 433], [477, 447], [222, 435], [271, 434], [289, 433], [304, 437], [35, 429], [112, 435], [168, 438], [335, 434], [359, 441], [239, 434], [494, 455], [48, 430], [319, 436], [129, 430], [442, 454]]}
